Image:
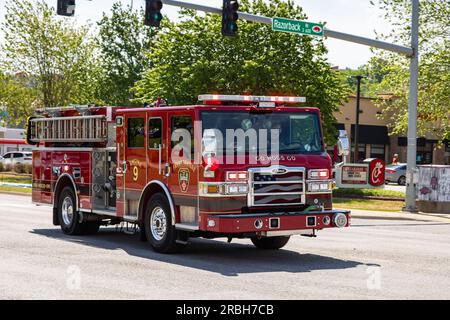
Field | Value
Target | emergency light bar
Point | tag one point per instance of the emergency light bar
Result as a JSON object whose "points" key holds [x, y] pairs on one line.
{"points": [[240, 98]]}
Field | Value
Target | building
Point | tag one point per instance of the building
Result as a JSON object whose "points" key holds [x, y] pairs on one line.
{"points": [[374, 139], [13, 140]]}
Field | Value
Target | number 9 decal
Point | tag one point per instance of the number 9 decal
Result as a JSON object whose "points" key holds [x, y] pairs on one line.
{"points": [[135, 173]]}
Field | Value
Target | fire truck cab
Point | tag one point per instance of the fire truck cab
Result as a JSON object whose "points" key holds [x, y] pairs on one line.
{"points": [[233, 167]]}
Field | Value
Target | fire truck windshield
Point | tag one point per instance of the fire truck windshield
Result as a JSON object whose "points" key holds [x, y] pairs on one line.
{"points": [[244, 131]]}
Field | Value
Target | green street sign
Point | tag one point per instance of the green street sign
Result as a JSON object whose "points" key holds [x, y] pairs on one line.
{"points": [[297, 26]]}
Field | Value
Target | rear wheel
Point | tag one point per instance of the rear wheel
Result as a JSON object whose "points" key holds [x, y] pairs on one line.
{"points": [[402, 180], [158, 225], [271, 243], [70, 219]]}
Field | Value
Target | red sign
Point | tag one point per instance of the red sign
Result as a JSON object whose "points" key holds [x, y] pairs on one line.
{"points": [[376, 172]]}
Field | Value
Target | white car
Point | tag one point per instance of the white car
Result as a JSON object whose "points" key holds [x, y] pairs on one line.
{"points": [[11, 158]]}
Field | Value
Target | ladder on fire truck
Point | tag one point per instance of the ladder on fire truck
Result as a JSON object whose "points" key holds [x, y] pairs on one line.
{"points": [[83, 129]]}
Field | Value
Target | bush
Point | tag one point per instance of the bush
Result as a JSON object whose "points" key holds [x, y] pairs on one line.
{"points": [[28, 169], [8, 168], [2, 167], [369, 192], [19, 168]]}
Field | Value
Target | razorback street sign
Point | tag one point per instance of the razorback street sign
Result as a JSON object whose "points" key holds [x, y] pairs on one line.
{"points": [[297, 26]]}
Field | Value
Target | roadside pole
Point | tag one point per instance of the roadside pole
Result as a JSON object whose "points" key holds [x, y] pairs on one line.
{"points": [[411, 52], [412, 112]]}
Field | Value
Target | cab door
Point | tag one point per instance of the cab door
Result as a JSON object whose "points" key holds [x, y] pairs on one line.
{"points": [[134, 161], [183, 172], [157, 146]]}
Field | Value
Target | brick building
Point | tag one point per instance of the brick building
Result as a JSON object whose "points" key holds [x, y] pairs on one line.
{"points": [[374, 140]]}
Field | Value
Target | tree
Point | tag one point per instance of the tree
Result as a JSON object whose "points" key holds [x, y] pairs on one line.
{"points": [[17, 99], [56, 55], [124, 44], [373, 72], [434, 70], [192, 57]]}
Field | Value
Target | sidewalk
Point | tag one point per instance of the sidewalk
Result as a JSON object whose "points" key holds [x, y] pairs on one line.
{"points": [[382, 215]]}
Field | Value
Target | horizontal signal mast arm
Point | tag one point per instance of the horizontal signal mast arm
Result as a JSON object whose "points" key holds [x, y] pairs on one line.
{"points": [[328, 33]]}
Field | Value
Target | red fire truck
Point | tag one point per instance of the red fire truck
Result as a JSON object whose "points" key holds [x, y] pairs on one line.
{"points": [[109, 165]]}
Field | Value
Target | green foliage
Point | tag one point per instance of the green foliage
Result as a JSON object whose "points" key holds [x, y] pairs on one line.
{"points": [[18, 98], [434, 70], [124, 43], [373, 72], [191, 57], [56, 56], [369, 192]]}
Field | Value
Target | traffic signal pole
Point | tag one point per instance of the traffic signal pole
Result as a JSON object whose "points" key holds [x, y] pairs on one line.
{"points": [[413, 99], [411, 52]]}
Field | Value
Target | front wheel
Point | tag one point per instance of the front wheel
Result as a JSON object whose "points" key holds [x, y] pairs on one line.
{"points": [[402, 180], [272, 243], [158, 225]]}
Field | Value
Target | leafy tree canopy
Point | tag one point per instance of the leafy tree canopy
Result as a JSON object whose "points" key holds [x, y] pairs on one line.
{"points": [[54, 53], [191, 57], [18, 98], [124, 43], [434, 70]]}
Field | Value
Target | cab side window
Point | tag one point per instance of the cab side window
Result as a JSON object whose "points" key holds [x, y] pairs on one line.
{"points": [[154, 133], [136, 132]]}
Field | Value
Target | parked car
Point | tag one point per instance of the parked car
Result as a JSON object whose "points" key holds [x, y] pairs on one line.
{"points": [[396, 173], [14, 157]]}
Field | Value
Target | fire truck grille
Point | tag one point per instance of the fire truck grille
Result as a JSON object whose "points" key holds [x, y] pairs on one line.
{"points": [[288, 176], [277, 200], [276, 185]]}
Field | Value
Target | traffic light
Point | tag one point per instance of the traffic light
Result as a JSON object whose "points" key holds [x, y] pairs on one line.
{"points": [[153, 14], [230, 17], [66, 8]]}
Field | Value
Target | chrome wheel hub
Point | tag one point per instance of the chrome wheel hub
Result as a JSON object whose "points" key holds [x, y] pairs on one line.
{"points": [[158, 223], [67, 210]]}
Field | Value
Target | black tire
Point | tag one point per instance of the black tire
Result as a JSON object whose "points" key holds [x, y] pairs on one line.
{"points": [[166, 241], [402, 180], [74, 226], [69, 226], [272, 243]]}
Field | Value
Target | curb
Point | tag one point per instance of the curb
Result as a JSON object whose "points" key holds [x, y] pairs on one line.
{"points": [[25, 194]]}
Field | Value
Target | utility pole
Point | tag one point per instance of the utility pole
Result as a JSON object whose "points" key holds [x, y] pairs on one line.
{"points": [[412, 112], [358, 101]]}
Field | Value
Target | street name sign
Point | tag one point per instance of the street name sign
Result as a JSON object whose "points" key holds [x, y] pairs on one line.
{"points": [[297, 26]]}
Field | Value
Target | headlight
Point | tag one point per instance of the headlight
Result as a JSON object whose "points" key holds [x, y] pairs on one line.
{"points": [[317, 174], [319, 186], [340, 220], [236, 188]]}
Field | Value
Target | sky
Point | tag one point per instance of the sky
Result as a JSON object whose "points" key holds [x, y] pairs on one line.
{"points": [[351, 16]]}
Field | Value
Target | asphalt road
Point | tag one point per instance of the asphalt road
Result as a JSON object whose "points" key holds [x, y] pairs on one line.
{"points": [[374, 259]]}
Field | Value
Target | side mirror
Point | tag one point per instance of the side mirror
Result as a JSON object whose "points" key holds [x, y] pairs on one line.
{"points": [[209, 142], [343, 143]]}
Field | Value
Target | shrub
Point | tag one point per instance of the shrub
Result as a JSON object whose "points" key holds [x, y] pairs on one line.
{"points": [[2, 167], [28, 169], [19, 168]]}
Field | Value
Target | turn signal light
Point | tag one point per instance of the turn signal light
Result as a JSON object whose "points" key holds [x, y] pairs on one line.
{"points": [[318, 174], [237, 176]]}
